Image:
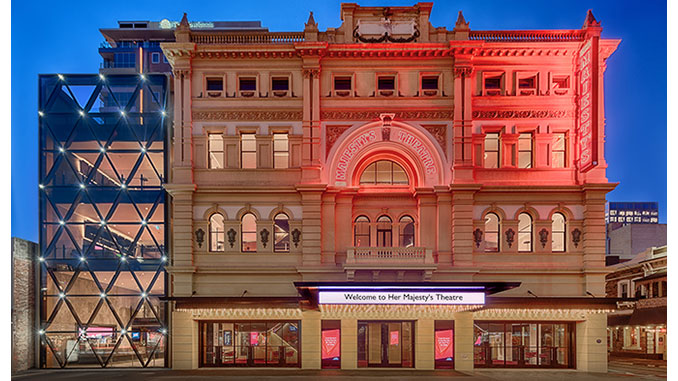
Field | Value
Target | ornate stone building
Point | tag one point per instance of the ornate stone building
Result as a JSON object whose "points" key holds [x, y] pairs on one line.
{"points": [[388, 193]]}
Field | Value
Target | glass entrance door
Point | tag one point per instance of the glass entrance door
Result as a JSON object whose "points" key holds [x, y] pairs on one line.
{"points": [[385, 344]]}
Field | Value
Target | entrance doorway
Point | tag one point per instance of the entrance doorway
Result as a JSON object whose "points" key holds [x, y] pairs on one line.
{"points": [[386, 344]]}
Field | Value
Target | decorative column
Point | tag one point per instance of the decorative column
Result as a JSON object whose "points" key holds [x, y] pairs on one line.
{"points": [[462, 224], [463, 341], [594, 236], [181, 266], [428, 219], [328, 227], [311, 123], [462, 124], [444, 200], [311, 223]]}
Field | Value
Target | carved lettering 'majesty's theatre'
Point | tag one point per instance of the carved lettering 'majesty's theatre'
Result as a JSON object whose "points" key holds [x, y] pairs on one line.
{"points": [[388, 194]]}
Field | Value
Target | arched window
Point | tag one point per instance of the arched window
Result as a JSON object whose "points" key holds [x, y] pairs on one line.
{"points": [[524, 232], [384, 172], [491, 233], [248, 233], [216, 229], [384, 231], [282, 233], [558, 232], [406, 231], [361, 232]]}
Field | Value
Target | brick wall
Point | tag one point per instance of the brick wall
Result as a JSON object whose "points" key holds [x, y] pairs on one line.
{"points": [[23, 304]]}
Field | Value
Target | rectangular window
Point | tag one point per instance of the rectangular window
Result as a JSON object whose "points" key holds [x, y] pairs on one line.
{"points": [[525, 150], [248, 151], [386, 85], [560, 84], [155, 58], [249, 343], [443, 344], [623, 289], [429, 85], [491, 158], [215, 147], [558, 150], [492, 84], [523, 344], [527, 85], [330, 344], [342, 86], [280, 86], [655, 289], [247, 86], [214, 86], [125, 60], [281, 153]]}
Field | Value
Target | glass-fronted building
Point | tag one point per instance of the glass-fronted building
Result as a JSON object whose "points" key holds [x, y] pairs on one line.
{"points": [[102, 220]]}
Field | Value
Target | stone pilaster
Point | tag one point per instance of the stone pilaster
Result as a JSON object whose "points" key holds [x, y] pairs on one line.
{"points": [[462, 225]]}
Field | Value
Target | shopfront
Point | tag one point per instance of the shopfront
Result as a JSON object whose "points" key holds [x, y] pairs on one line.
{"points": [[521, 344], [249, 343]]}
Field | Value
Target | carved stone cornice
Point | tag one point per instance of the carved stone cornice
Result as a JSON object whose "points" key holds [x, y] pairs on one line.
{"points": [[401, 115], [248, 115], [311, 73], [245, 54], [181, 72], [522, 114], [462, 70]]}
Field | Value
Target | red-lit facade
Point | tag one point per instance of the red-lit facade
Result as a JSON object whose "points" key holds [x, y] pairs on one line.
{"points": [[388, 158]]}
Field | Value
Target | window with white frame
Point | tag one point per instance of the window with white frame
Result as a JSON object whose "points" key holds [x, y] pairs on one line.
{"points": [[493, 83], [491, 155], [558, 150], [216, 229], [524, 232], [623, 289], [155, 57], [248, 226], [215, 149], [558, 232], [281, 151], [282, 233], [248, 151], [492, 233], [525, 150]]}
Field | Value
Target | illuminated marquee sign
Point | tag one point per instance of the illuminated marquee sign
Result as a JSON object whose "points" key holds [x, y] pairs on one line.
{"points": [[374, 135], [401, 297], [588, 114]]}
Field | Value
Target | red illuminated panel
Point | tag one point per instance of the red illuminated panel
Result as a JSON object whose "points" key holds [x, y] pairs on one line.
{"points": [[587, 110], [444, 344], [330, 344], [395, 337], [254, 338]]}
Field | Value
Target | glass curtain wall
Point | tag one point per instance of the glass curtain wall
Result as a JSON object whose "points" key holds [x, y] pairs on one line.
{"points": [[102, 220]]}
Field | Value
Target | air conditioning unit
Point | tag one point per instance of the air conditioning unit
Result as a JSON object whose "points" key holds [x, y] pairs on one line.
{"points": [[246, 93], [493, 92], [214, 94], [430, 92], [386, 93], [342, 93], [280, 93], [528, 91]]}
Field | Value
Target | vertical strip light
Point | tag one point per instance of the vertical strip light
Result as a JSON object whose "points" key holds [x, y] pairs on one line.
{"points": [[141, 74]]}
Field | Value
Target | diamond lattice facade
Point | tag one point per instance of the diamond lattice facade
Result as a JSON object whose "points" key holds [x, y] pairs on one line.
{"points": [[102, 215]]}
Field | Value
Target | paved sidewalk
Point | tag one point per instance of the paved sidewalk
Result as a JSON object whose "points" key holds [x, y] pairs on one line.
{"points": [[326, 375]]}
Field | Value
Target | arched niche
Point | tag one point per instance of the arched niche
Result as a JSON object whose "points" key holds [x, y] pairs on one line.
{"points": [[400, 142]]}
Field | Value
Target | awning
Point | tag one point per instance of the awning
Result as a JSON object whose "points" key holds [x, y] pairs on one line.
{"points": [[201, 302], [583, 302], [645, 316], [614, 320]]}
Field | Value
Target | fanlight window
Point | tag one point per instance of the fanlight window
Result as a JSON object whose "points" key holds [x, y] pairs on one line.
{"points": [[384, 172], [216, 229], [249, 233], [384, 231], [282, 233], [491, 232], [361, 232], [406, 231], [558, 232], [524, 232]]}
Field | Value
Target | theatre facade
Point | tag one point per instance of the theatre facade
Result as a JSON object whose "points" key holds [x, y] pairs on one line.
{"points": [[382, 194]]}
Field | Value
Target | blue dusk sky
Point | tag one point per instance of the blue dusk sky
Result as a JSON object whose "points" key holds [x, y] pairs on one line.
{"points": [[63, 37]]}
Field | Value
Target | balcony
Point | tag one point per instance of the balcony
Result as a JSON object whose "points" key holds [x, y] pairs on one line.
{"points": [[400, 259]]}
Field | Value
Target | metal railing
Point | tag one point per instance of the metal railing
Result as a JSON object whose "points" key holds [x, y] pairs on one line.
{"points": [[389, 255], [527, 35], [248, 38]]}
